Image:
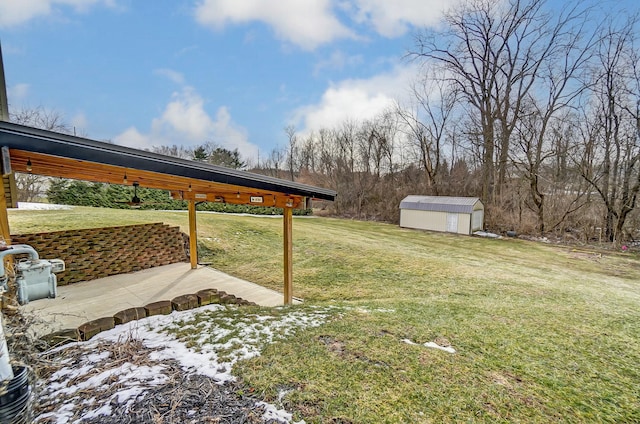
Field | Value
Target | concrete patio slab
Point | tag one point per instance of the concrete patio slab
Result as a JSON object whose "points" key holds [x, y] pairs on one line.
{"points": [[81, 302]]}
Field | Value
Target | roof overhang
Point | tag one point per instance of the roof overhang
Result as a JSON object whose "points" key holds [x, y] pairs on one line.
{"points": [[60, 155]]}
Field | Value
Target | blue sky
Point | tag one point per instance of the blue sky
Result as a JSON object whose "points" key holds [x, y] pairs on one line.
{"points": [[233, 72]]}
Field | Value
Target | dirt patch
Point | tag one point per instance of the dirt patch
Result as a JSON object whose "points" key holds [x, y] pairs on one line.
{"points": [[585, 255], [333, 345], [515, 386]]}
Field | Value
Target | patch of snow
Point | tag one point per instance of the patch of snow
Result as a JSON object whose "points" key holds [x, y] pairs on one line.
{"points": [[103, 410], [437, 346], [71, 373], [214, 345], [29, 206], [97, 357], [63, 415], [273, 413], [385, 310], [128, 395], [283, 393], [486, 234], [363, 310], [126, 373], [432, 345]]}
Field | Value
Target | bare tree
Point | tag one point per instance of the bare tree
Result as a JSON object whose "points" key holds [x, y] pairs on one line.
{"points": [[273, 163], [32, 187], [428, 126], [493, 52], [308, 154], [292, 150], [611, 155], [559, 86], [39, 117], [174, 150]]}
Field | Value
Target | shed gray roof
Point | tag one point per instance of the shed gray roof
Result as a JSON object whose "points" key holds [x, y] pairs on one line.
{"points": [[440, 203]]}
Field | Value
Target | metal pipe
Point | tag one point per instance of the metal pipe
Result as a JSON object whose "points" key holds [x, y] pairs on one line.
{"points": [[17, 249], [6, 372]]}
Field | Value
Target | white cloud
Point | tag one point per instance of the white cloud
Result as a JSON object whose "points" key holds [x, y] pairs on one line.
{"points": [[232, 136], [356, 99], [131, 137], [307, 23], [185, 114], [16, 12], [171, 75], [311, 23], [394, 18], [18, 93], [185, 121]]}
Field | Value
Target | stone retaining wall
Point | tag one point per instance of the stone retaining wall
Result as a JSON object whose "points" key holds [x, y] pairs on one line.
{"points": [[99, 252], [162, 307]]}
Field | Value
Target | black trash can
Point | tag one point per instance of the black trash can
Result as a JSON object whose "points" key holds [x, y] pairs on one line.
{"points": [[14, 404]]}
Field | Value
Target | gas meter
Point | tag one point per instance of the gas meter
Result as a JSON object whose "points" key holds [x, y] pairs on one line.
{"points": [[35, 277]]}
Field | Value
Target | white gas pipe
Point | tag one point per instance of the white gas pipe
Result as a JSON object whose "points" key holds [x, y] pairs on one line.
{"points": [[6, 372]]}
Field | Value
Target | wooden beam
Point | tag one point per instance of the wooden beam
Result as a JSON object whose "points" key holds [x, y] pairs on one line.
{"points": [[193, 237], [181, 187], [288, 255], [242, 198]]}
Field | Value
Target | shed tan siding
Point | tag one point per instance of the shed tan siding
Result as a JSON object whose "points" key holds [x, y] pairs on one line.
{"points": [[423, 220], [464, 223], [460, 215], [433, 221]]}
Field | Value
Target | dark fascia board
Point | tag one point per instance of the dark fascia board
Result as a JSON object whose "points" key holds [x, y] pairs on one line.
{"points": [[30, 139]]}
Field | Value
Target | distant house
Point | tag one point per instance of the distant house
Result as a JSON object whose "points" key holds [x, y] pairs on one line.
{"points": [[461, 215]]}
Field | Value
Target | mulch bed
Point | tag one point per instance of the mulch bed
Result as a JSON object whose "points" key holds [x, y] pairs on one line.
{"points": [[193, 399]]}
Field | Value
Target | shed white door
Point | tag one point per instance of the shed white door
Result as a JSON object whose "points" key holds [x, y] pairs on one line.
{"points": [[452, 222], [477, 220]]}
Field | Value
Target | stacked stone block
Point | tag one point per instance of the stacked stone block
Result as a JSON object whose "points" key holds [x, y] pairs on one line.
{"points": [[99, 252], [162, 307]]}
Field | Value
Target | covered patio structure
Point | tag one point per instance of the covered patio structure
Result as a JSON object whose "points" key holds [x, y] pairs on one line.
{"points": [[30, 150], [80, 303]]}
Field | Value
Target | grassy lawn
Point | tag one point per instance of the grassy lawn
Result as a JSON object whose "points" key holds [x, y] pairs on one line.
{"points": [[542, 333]]}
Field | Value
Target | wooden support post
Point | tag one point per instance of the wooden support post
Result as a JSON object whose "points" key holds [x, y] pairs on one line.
{"points": [[193, 235], [288, 255], [12, 195], [4, 217]]}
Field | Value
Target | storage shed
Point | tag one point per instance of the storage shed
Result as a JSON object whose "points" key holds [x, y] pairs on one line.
{"points": [[462, 215]]}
